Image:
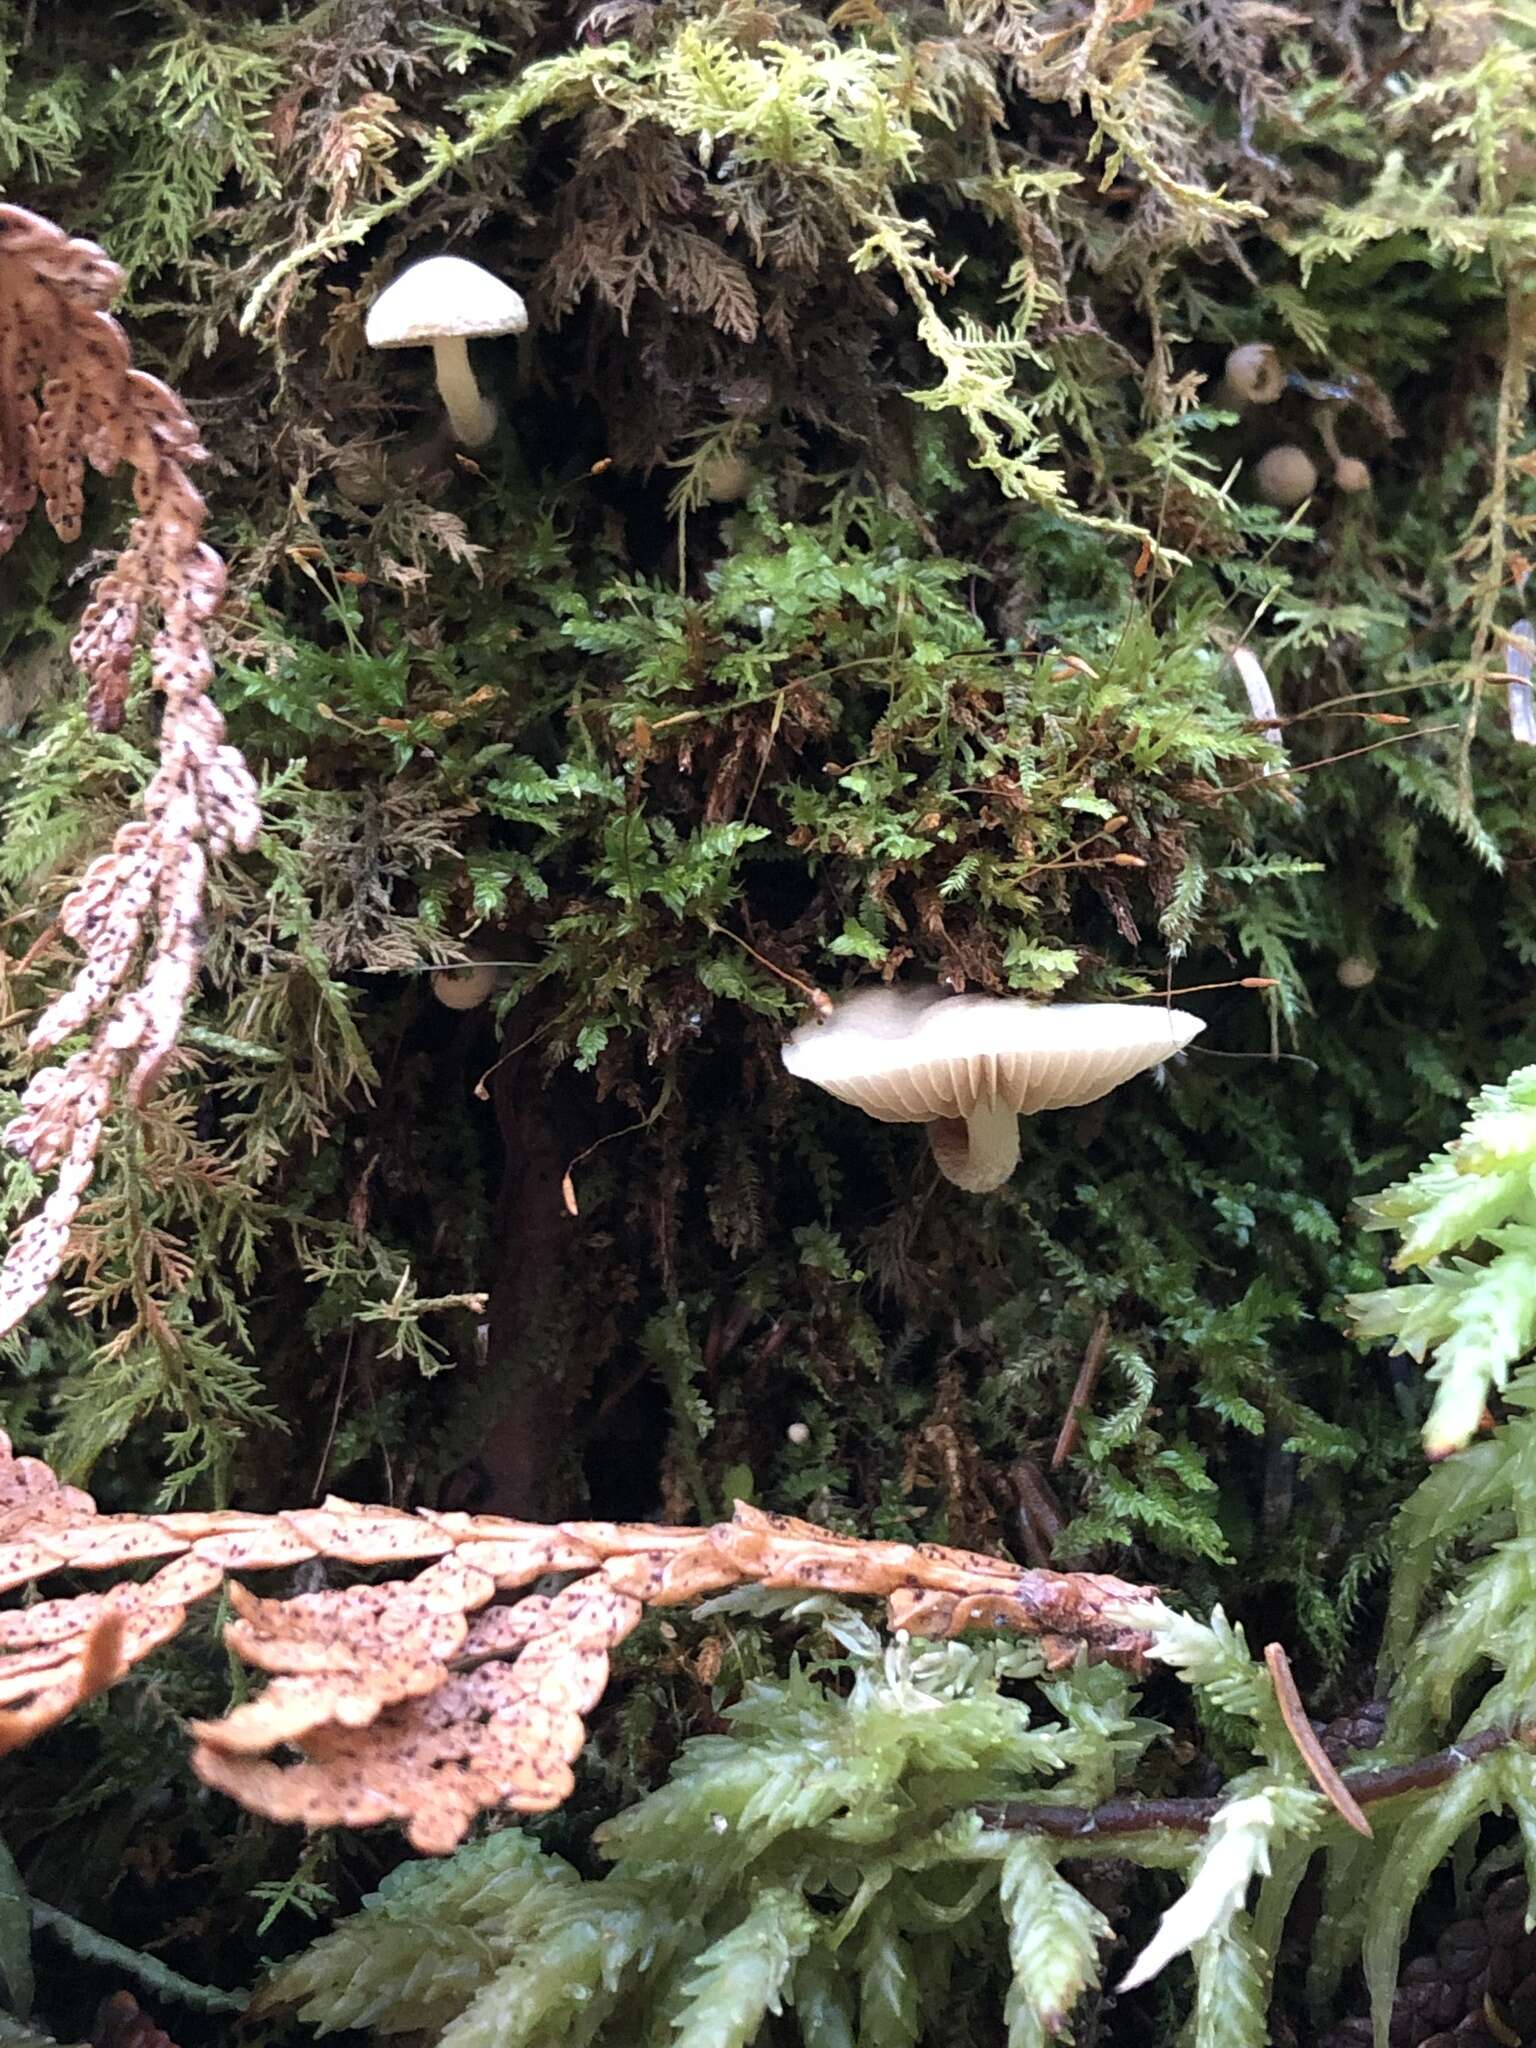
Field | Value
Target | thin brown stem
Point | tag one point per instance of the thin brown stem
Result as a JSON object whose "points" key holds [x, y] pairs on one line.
{"points": [[1082, 1393], [818, 998], [1422, 732], [1366, 1785]]}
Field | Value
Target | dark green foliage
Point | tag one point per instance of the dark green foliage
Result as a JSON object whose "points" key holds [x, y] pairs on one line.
{"points": [[859, 546]]}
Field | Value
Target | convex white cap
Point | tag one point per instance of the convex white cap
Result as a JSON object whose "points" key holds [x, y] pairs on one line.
{"points": [[443, 303], [970, 1066]]}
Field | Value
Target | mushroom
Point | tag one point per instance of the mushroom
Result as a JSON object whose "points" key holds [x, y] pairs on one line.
{"points": [[1254, 375], [727, 478], [970, 1066], [1286, 476], [467, 987], [445, 303], [1349, 472]]}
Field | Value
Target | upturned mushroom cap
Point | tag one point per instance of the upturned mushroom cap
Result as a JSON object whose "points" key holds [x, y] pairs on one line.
{"points": [[919, 1056], [1255, 374], [443, 298]]}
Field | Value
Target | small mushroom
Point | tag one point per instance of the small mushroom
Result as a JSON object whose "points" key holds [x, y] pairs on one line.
{"points": [[1254, 375], [1355, 971], [970, 1066], [445, 303], [728, 478], [465, 988], [1286, 476], [1349, 472]]}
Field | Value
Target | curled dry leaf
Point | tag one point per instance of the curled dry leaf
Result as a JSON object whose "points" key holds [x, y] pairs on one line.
{"points": [[71, 398], [1098, 1615]]}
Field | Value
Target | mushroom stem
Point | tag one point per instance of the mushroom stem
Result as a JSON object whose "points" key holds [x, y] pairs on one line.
{"points": [[471, 414], [977, 1152]]}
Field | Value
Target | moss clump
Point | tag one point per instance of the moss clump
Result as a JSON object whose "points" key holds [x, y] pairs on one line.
{"points": [[850, 589]]}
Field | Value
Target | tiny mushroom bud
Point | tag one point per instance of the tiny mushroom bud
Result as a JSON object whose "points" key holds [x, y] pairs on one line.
{"points": [[970, 1066], [1286, 476], [1349, 472], [1254, 375], [727, 478], [1354, 971], [799, 1432], [465, 988], [445, 303]]}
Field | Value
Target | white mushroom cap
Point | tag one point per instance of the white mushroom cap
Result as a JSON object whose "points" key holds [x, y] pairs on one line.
{"points": [[443, 303], [908, 1055], [443, 298]]}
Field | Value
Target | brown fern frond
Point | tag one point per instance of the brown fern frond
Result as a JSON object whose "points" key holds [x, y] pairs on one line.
{"points": [[345, 1656], [423, 1700], [56, 1654], [503, 1735], [70, 397]]}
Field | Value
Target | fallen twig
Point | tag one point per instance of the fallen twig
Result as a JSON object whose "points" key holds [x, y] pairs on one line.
{"points": [[1367, 1785], [1082, 1393]]}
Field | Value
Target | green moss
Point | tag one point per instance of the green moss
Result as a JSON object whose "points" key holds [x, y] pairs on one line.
{"points": [[944, 690]]}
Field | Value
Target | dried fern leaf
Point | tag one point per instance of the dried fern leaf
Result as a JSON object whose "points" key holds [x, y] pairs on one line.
{"points": [[70, 398]]}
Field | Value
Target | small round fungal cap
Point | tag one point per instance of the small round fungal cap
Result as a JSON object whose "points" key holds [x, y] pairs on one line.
{"points": [[970, 1066], [1254, 375], [465, 988], [1286, 476], [443, 303], [728, 478], [1351, 474], [1355, 971]]}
